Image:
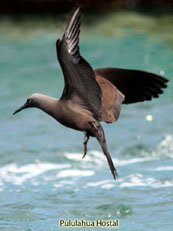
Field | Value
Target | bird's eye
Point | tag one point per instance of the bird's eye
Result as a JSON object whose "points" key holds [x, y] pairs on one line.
{"points": [[28, 101]]}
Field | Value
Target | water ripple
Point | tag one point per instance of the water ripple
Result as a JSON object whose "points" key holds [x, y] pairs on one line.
{"points": [[17, 175], [138, 180]]}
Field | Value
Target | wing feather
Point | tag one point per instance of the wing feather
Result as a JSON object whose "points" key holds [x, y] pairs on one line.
{"points": [[80, 82], [137, 86]]}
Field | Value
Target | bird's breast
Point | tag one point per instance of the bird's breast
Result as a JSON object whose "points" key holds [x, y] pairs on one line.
{"points": [[74, 117]]}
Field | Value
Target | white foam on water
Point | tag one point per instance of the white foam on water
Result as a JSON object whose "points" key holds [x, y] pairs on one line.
{"points": [[119, 162], [63, 183], [166, 141], [165, 147], [17, 175], [99, 158], [137, 180], [164, 168], [77, 156], [106, 184], [97, 183], [92, 156], [74, 173], [97, 154]]}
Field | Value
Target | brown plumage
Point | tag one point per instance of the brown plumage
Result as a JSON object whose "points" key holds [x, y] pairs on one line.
{"points": [[91, 96]]}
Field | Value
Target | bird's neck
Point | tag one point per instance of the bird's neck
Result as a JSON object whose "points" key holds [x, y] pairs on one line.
{"points": [[48, 104]]}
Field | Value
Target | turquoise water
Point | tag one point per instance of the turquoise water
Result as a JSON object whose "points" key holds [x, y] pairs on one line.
{"points": [[42, 175]]}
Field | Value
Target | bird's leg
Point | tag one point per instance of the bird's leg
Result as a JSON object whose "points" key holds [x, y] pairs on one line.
{"points": [[97, 131], [86, 138]]}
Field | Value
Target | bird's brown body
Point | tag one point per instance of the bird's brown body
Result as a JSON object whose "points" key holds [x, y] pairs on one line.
{"points": [[91, 96], [73, 116]]}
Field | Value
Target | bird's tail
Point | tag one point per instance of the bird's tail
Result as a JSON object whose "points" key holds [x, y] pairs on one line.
{"points": [[98, 132]]}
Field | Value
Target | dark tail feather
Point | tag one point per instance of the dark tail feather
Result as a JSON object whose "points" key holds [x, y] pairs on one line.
{"points": [[109, 159], [98, 132]]}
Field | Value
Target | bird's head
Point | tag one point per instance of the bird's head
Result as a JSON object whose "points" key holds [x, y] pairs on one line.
{"points": [[32, 101]]}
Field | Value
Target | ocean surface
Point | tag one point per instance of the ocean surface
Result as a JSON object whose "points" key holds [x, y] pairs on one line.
{"points": [[43, 177]]}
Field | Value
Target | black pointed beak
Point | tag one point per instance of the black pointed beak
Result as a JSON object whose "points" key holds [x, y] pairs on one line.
{"points": [[21, 108]]}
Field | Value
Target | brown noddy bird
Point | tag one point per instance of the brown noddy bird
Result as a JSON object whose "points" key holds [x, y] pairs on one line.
{"points": [[91, 96]]}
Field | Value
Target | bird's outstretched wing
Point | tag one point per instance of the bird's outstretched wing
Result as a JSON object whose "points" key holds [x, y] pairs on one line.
{"points": [[80, 83], [137, 86]]}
